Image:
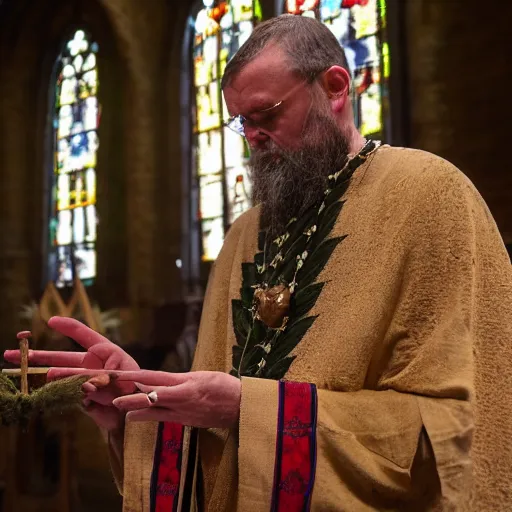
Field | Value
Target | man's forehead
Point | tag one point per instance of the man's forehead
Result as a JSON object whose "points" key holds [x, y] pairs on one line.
{"points": [[266, 75]]}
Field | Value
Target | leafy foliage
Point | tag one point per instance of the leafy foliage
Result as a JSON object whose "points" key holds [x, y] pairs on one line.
{"points": [[294, 259], [56, 397]]}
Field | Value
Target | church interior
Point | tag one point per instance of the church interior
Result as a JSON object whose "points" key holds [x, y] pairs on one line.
{"points": [[118, 181]]}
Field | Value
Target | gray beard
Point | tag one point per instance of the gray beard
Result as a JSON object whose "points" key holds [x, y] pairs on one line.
{"points": [[288, 183]]}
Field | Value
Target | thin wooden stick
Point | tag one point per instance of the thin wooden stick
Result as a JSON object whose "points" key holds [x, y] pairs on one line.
{"points": [[16, 372], [23, 337]]}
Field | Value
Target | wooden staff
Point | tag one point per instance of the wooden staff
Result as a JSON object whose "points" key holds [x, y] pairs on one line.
{"points": [[23, 337]]}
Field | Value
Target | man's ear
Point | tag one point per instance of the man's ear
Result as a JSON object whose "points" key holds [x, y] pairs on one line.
{"points": [[336, 84]]}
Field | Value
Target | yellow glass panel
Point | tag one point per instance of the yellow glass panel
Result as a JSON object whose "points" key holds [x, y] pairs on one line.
{"points": [[68, 91], [63, 192], [209, 153], [212, 237], [365, 19], [211, 203], [64, 231], [371, 110], [201, 72], [78, 225], [90, 215], [90, 186]]}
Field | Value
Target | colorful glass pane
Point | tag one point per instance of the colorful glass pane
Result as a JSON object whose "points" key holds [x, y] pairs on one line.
{"points": [[211, 196], [209, 157], [212, 237], [73, 219], [359, 26], [90, 62], [220, 156]]}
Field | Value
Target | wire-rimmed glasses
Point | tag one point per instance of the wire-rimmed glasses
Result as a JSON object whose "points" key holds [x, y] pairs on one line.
{"points": [[237, 123]]}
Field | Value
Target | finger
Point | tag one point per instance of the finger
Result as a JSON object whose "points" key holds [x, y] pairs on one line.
{"points": [[132, 402], [103, 396], [60, 373], [143, 387], [167, 396], [147, 377], [152, 378], [87, 387], [113, 362], [47, 358], [77, 331], [152, 414]]}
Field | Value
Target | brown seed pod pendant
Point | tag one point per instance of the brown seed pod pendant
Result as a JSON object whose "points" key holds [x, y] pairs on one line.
{"points": [[272, 305]]}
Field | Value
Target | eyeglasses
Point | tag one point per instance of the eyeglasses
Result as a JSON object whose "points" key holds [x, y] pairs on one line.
{"points": [[237, 123]]}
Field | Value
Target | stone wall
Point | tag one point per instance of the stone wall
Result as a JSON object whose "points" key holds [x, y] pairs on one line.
{"points": [[459, 79]]}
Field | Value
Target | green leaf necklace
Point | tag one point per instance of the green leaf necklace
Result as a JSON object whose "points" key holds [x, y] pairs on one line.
{"points": [[278, 287]]}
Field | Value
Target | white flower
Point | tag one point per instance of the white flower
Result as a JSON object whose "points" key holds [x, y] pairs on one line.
{"points": [[276, 260], [310, 231]]}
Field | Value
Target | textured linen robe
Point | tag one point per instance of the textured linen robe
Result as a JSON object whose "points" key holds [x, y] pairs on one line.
{"points": [[409, 363]]}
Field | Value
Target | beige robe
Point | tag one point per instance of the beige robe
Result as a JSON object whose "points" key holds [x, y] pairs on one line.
{"points": [[411, 354]]}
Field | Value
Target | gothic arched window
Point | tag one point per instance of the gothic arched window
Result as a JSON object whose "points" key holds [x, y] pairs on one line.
{"points": [[219, 155], [76, 114], [360, 27]]}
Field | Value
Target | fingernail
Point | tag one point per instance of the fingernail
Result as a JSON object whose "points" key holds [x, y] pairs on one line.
{"points": [[86, 403], [118, 402], [99, 381]]}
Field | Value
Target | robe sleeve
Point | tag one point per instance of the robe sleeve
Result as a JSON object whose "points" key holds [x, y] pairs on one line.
{"points": [[415, 440], [115, 447]]}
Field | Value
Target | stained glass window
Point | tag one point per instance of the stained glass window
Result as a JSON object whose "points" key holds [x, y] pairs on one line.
{"points": [[360, 27], [72, 229], [220, 155]]}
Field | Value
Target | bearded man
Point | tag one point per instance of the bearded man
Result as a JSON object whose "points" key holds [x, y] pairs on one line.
{"points": [[354, 351]]}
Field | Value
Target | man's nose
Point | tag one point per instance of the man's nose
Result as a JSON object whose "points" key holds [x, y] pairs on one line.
{"points": [[255, 137]]}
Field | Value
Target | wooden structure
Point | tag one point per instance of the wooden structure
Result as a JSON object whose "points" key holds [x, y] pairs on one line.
{"points": [[39, 473]]}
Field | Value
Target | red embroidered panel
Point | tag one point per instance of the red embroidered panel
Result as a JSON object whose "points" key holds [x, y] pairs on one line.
{"points": [[165, 484], [296, 447]]}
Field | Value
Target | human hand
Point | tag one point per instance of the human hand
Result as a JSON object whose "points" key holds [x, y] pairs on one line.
{"points": [[197, 399], [101, 354]]}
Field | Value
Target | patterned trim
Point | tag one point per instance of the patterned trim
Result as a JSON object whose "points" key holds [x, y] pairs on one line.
{"points": [[165, 479], [294, 472]]}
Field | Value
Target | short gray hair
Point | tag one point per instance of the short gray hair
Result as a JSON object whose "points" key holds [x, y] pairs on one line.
{"points": [[309, 44]]}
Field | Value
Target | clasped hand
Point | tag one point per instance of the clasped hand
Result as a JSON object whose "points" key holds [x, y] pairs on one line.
{"points": [[118, 389]]}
